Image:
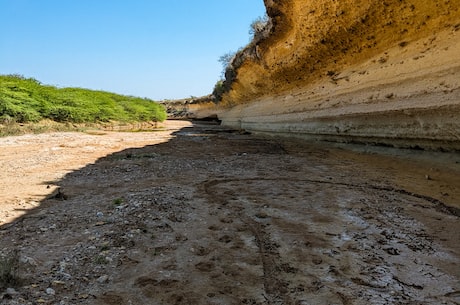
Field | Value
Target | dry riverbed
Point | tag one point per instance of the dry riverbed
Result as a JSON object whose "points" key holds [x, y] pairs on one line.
{"points": [[203, 215]]}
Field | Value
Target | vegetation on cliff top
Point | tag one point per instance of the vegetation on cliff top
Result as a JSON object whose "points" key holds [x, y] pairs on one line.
{"points": [[230, 61], [25, 100]]}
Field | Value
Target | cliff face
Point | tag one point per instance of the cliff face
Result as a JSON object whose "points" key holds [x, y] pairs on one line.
{"points": [[353, 70]]}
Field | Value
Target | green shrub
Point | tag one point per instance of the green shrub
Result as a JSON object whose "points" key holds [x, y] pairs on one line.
{"points": [[219, 89], [27, 100], [17, 111]]}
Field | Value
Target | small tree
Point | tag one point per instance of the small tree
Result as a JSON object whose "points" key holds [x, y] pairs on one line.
{"points": [[225, 61], [258, 26]]}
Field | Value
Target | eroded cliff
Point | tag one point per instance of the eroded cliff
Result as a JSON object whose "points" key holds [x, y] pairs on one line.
{"points": [[373, 71]]}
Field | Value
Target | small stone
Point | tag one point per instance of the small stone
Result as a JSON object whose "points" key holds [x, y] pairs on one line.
{"points": [[99, 214], [11, 291], [62, 266], [103, 279], [262, 215], [29, 261], [392, 251], [66, 275], [317, 260], [50, 291]]}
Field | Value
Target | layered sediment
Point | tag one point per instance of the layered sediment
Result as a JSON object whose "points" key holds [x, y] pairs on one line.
{"points": [[384, 72]]}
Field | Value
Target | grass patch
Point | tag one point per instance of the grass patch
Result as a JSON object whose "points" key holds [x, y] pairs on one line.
{"points": [[118, 201], [101, 260], [26, 100]]}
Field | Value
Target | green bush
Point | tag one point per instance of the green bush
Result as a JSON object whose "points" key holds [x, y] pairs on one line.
{"points": [[27, 100], [9, 108], [219, 89]]}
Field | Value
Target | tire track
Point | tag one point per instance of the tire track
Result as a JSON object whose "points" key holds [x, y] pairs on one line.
{"points": [[277, 286]]}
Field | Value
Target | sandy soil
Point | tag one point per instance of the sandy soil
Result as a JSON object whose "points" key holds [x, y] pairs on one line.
{"points": [[203, 215]]}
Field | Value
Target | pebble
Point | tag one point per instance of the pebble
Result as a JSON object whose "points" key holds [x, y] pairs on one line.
{"points": [[11, 291], [29, 260], [50, 291], [102, 279], [66, 275], [62, 266]]}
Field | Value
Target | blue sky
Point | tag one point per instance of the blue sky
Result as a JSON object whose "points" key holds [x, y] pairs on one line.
{"points": [[160, 49]]}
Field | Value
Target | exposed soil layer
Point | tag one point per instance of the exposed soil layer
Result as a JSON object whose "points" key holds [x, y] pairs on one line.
{"points": [[206, 215], [368, 71]]}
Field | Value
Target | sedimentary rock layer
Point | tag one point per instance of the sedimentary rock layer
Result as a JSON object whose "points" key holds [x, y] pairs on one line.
{"points": [[383, 72]]}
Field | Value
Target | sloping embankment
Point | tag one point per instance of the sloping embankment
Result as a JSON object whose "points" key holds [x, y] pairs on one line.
{"points": [[385, 72]]}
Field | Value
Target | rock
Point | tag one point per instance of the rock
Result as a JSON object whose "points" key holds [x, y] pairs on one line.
{"points": [[317, 260], [50, 291], [60, 195], [83, 296], [103, 279], [58, 283], [65, 275], [11, 291], [323, 89], [392, 251], [29, 261]]}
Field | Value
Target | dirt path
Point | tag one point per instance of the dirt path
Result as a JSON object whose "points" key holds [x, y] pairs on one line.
{"points": [[202, 215]]}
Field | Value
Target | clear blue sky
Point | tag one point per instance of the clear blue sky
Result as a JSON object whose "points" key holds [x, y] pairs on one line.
{"points": [[160, 49]]}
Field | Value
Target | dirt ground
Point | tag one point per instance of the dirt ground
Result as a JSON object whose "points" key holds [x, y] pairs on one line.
{"points": [[203, 215]]}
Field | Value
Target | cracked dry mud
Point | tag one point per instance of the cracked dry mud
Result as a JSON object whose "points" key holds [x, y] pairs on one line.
{"points": [[202, 215]]}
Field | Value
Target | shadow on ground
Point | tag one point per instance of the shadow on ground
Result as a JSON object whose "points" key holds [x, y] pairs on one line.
{"points": [[218, 217]]}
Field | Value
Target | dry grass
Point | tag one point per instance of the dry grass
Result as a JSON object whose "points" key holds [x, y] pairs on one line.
{"points": [[14, 129], [9, 270]]}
